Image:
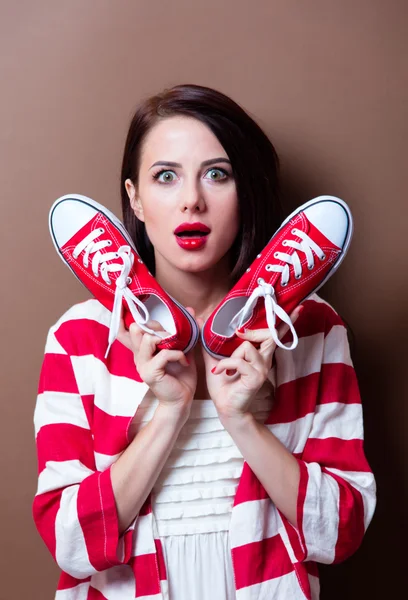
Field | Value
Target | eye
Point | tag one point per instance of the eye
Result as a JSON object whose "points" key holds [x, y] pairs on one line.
{"points": [[216, 174], [165, 176]]}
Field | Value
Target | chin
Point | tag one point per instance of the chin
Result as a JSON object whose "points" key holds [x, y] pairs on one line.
{"points": [[201, 265]]}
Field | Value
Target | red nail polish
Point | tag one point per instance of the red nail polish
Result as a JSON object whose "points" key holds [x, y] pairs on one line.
{"points": [[213, 369], [241, 330]]}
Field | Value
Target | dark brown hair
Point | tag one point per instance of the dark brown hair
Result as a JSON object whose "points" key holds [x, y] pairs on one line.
{"points": [[253, 159]]}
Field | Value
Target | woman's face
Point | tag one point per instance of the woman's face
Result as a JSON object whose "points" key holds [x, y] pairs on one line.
{"points": [[185, 176]]}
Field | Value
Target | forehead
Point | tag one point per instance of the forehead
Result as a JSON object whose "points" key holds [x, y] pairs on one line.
{"points": [[181, 139]]}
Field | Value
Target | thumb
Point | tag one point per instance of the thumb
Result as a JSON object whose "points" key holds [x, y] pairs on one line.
{"points": [[199, 320], [191, 310]]}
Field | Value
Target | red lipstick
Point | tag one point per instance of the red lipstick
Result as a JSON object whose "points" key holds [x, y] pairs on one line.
{"points": [[191, 236], [197, 226], [191, 243]]}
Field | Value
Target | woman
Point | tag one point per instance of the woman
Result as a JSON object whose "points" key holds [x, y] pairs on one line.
{"points": [[175, 479]]}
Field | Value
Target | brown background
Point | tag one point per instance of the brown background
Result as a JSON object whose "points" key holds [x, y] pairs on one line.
{"points": [[327, 80]]}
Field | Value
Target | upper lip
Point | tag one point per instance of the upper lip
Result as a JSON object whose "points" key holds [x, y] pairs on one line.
{"points": [[192, 227]]}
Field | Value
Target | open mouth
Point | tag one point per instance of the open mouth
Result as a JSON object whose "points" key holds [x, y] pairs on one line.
{"points": [[192, 234]]}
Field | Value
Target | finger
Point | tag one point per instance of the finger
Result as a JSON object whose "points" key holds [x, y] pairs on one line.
{"points": [[124, 335], [160, 361], [146, 348], [254, 335], [154, 325], [238, 364], [284, 328], [136, 336], [137, 332], [247, 351], [294, 315], [261, 335], [259, 359], [267, 349]]}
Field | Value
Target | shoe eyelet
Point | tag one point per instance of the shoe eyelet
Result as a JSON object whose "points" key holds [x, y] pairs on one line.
{"points": [[294, 231], [284, 284], [247, 271], [276, 254], [323, 257], [258, 255], [298, 276], [260, 280], [128, 280], [284, 243], [109, 242], [101, 230], [140, 260], [310, 267], [268, 267]]}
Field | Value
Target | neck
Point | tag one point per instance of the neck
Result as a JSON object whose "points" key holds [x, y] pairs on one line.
{"points": [[200, 290]]}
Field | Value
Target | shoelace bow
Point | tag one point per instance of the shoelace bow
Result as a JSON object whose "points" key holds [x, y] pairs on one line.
{"points": [[266, 290], [100, 265]]}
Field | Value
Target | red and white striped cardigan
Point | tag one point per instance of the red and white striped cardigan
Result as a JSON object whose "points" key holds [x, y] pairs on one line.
{"points": [[84, 408]]}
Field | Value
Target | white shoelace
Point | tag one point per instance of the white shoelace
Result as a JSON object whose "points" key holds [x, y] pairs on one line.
{"points": [[267, 291], [100, 265]]}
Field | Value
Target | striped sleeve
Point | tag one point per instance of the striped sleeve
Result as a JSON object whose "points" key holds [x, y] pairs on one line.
{"points": [[74, 507], [337, 492]]}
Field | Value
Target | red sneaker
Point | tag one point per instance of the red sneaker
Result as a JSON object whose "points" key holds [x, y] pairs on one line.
{"points": [[301, 256], [95, 245]]}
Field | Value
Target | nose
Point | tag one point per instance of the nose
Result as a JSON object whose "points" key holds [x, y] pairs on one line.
{"points": [[192, 198]]}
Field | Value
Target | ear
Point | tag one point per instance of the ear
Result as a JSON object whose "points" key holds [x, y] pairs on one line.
{"points": [[134, 199]]}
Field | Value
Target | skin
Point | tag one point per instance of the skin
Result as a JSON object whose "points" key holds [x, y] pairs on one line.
{"points": [[198, 280]]}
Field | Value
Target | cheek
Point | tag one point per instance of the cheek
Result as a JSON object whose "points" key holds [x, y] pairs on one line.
{"points": [[155, 207], [230, 213], [156, 220]]}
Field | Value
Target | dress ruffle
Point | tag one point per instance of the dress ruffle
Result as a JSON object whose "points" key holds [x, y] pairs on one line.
{"points": [[193, 497]]}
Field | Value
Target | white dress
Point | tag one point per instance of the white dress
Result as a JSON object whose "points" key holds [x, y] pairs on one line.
{"points": [[193, 498]]}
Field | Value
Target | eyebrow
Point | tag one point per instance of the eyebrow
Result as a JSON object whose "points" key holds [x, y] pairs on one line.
{"points": [[206, 163]]}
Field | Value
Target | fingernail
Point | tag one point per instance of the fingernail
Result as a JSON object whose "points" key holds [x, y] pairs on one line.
{"points": [[213, 369], [230, 372], [241, 330]]}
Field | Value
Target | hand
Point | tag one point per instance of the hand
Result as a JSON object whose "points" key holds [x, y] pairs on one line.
{"points": [[171, 376], [233, 382]]}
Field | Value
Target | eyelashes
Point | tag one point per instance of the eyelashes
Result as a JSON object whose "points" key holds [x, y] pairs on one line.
{"points": [[161, 172]]}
